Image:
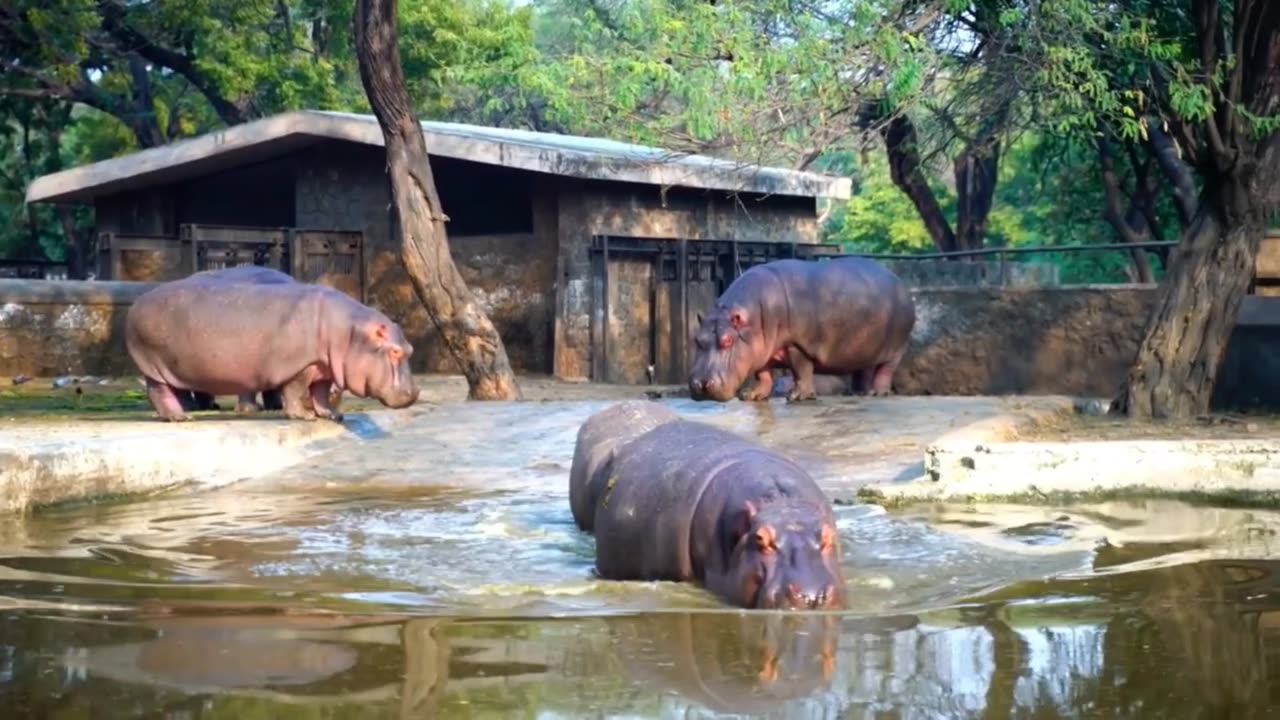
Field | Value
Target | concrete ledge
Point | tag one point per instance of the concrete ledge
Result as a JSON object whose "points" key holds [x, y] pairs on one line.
{"points": [[71, 292], [1230, 471], [44, 464]]}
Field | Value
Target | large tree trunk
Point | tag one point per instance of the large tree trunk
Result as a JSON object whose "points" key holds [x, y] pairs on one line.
{"points": [[975, 172], [466, 330], [902, 147], [1195, 312], [1130, 224]]}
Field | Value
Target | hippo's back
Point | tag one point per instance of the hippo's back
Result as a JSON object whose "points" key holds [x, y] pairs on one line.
{"points": [[656, 484], [598, 439]]}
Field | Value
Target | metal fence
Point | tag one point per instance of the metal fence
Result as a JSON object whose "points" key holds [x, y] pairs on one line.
{"points": [[996, 266]]}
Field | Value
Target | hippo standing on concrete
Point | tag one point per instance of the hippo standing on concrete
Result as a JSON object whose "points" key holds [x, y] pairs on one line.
{"points": [[213, 334], [840, 316], [671, 499]]}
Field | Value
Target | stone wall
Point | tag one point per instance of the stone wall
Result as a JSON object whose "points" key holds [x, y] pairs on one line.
{"points": [[1074, 341], [1067, 340], [50, 328]]}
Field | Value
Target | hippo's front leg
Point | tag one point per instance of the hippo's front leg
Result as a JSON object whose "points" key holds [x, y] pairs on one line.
{"points": [[296, 396], [320, 399], [165, 401], [802, 372], [762, 389]]}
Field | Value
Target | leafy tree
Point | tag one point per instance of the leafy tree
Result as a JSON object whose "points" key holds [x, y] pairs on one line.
{"points": [[126, 75]]}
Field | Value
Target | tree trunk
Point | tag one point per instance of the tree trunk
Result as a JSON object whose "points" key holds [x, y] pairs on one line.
{"points": [[467, 332], [975, 172], [1195, 311], [1130, 225], [901, 146]]}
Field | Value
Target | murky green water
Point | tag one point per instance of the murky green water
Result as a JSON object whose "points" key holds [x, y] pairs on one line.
{"points": [[437, 573]]}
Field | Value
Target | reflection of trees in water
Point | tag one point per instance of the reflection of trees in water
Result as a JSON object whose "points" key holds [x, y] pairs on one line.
{"points": [[1197, 642], [1168, 642]]}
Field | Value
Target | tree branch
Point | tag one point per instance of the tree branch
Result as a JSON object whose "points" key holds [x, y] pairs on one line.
{"points": [[116, 24]]}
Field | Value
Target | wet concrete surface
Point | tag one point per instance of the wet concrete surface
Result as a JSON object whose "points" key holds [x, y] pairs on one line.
{"points": [[436, 572]]}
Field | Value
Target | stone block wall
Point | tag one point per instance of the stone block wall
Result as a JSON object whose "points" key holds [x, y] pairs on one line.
{"points": [[1068, 340], [50, 328], [967, 341], [997, 341]]}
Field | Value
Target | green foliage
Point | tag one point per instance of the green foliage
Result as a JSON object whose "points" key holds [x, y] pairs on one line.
{"points": [[1048, 195], [209, 63]]}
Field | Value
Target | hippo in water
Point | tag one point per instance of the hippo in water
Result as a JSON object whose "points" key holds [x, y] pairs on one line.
{"points": [[839, 317], [229, 332], [672, 499]]}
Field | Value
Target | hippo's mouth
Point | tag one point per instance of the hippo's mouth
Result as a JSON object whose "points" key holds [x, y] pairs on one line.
{"points": [[714, 387]]}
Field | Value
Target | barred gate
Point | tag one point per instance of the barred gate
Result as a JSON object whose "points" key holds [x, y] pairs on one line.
{"points": [[327, 257]]}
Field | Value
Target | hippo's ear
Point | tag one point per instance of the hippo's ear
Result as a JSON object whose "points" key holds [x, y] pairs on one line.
{"points": [[737, 319], [826, 538], [766, 539], [744, 520]]}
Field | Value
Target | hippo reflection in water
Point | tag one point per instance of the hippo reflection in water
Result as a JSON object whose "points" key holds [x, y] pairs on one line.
{"points": [[749, 663]]}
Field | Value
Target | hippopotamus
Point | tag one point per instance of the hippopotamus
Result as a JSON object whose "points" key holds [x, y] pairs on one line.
{"points": [[245, 330], [842, 316], [247, 402], [735, 663], [673, 499]]}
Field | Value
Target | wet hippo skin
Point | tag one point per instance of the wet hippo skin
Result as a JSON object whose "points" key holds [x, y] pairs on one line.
{"points": [[672, 499]]}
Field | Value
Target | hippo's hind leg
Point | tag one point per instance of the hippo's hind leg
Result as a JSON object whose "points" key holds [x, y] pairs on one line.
{"points": [[802, 371], [320, 396], [166, 401], [882, 378], [247, 403]]}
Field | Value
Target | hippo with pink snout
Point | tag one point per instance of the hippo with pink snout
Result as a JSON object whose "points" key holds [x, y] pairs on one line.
{"points": [[243, 330]]}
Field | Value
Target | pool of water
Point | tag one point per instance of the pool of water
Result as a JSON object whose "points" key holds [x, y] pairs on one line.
{"points": [[436, 572]]}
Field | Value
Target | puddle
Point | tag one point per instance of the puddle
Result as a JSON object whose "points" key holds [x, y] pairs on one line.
{"points": [[437, 573]]}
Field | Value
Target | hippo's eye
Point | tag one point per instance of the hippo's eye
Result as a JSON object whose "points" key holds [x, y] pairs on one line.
{"points": [[726, 341], [395, 354]]}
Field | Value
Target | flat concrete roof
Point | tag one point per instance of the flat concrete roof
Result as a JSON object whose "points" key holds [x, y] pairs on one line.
{"points": [[565, 155]]}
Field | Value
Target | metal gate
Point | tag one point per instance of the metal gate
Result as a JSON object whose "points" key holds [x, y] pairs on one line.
{"points": [[648, 293]]}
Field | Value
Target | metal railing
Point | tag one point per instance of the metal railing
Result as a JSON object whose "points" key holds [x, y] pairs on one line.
{"points": [[1002, 254]]}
